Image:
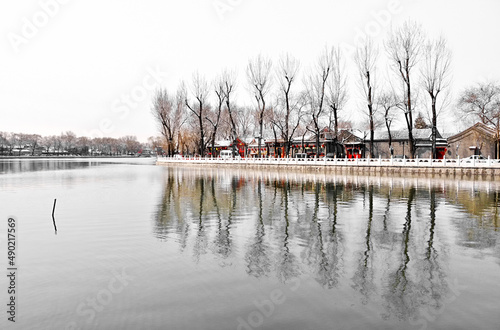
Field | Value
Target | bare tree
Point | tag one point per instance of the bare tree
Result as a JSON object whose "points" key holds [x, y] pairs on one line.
{"points": [[482, 102], [82, 143], [259, 78], [3, 141], [168, 112], [68, 140], [215, 116], [289, 104], [229, 82], [366, 58], [287, 126], [403, 48], [245, 120], [388, 101], [337, 90], [316, 84], [130, 143], [33, 140], [436, 78], [199, 90]]}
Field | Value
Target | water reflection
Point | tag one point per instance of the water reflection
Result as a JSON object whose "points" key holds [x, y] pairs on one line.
{"points": [[385, 238], [27, 165], [363, 279], [22, 165]]}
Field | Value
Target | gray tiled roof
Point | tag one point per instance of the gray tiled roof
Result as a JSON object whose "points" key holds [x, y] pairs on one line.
{"points": [[418, 134]]}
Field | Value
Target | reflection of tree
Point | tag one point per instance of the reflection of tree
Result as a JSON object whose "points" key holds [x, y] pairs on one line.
{"points": [[400, 251], [222, 241], [433, 285], [315, 255], [201, 243], [418, 288], [258, 263], [386, 237], [170, 218], [401, 295], [335, 237], [287, 267], [363, 277]]}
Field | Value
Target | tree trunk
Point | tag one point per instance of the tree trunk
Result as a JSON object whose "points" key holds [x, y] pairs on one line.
{"points": [[372, 129], [336, 124], [260, 134], [202, 136], [389, 136], [317, 142], [434, 127]]}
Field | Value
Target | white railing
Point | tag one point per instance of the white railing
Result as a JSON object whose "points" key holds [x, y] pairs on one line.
{"points": [[396, 162]]}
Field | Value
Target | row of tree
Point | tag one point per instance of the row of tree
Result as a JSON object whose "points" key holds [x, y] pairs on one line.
{"points": [[12, 144], [289, 102]]}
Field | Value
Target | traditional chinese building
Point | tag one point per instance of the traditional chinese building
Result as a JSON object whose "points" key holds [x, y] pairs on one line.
{"points": [[478, 139], [328, 144], [239, 145], [353, 143], [400, 148]]}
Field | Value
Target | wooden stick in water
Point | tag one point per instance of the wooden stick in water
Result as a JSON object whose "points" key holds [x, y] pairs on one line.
{"points": [[53, 219]]}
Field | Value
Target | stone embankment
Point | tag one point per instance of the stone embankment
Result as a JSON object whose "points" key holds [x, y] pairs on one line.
{"points": [[454, 167]]}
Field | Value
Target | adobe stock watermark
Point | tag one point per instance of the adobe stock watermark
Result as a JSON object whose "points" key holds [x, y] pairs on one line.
{"points": [[428, 315], [123, 105], [222, 7], [381, 19], [88, 309], [265, 308], [31, 25]]}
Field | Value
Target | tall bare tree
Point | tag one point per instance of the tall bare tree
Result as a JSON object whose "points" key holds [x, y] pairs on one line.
{"points": [[337, 89], [229, 82], [436, 77], [316, 89], [366, 60], [404, 48], [289, 104], [168, 112], [199, 91], [215, 117], [260, 80], [34, 141]]}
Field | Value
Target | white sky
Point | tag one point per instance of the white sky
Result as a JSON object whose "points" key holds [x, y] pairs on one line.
{"points": [[71, 72]]}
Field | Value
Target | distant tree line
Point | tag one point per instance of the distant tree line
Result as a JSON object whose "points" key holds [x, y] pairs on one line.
{"points": [[13, 144], [290, 102]]}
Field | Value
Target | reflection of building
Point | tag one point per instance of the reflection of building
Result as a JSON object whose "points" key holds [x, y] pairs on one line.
{"points": [[478, 139]]}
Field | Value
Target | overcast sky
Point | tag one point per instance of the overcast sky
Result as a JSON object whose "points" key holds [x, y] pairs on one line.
{"points": [[91, 66]]}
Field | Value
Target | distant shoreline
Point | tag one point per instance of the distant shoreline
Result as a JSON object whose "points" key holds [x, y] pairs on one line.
{"points": [[70, 157]]}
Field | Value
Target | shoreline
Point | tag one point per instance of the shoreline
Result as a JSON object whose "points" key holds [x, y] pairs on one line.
{"points": [[375, 167]]}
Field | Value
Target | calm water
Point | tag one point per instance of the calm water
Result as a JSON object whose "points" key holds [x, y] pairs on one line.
{"points": [[148, 247]]}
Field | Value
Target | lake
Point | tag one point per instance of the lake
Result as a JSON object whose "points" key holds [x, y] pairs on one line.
{"points": [[140, 246]]}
